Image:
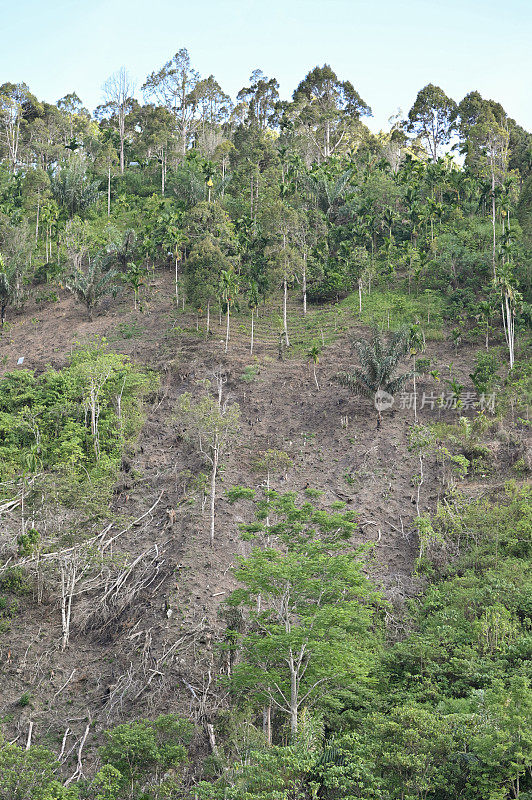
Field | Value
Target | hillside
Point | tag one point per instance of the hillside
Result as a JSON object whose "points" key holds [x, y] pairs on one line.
{"points": [[264, 445], [158, 642]]}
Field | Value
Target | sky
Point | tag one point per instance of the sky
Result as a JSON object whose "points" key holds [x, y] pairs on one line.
{"points": [[388, 49]]}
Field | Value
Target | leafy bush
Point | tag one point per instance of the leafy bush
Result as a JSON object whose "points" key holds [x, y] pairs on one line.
{"points": [[486, 367], [75, 420]]}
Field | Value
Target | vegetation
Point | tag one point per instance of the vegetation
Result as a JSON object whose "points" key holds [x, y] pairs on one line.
{"points": [[265, 229]]}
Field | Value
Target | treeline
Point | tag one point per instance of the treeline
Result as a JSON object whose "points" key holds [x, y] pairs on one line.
{"points": [[243, 199]]}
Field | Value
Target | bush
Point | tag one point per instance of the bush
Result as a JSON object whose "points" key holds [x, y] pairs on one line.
{"points": [[483, 376], [14, 581]]}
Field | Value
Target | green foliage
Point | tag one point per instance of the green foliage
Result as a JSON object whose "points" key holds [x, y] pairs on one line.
{"points": [[24, 700], [90, 285], [136, 752], [30, 774], [28, 542], [75, 420], [378, 364], [486, 368], [250, 373], [14, 581], [312, 630]]}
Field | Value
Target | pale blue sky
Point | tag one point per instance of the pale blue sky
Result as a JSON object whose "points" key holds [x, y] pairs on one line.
{"points": [[388, 49]]}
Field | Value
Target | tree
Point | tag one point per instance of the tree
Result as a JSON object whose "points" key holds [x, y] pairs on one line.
{"points": [[6, 290], [416, 344], [15, 253], [27, 774], [72, 187], [280, 222], [118, 90], [106, 159], [174, 86], [253, 302], [259, 99], [376, 378], [510, 299], [14, 99], [433, 118], [489, 136], [134, 277], [326, 107], [228, 289], [206, 266], [312, 632], [90, 284], [145, 750], [213, 424]]}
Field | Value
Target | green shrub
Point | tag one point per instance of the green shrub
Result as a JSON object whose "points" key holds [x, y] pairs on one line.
{"points": [[14, 581], [73, 421], [483, 375]]}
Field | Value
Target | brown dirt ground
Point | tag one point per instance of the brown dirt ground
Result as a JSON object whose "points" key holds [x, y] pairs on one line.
{"points": [[371, 470]]}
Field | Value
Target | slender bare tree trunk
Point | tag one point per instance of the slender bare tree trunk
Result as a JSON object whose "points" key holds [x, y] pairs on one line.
{"points": [[293, 701], [252, 332], [415, 391], [493, 218], [109, 193], [285, 322], [267, 723], [213, 490], [304, 282], [37, 223], [227, 330]]}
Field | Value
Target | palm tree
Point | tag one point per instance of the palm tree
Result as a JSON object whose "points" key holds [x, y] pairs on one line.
{"points": [[379, 361], [328, 191], [90, 285], [228, 289]]}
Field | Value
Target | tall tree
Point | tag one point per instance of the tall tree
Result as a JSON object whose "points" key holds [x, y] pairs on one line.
{"points": [[311, 632], [327, 107], [212, 423], [433, 119], [118, 90], [174, 86], [258, 99]]}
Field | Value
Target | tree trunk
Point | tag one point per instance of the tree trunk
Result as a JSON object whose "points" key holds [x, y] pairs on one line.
{"points": [[285, 323], [208, 317], [37, 222], [304, 282], [252, 334], [493, 219], [227, 330], [267, 723], [293, 702], [415, 392], [109, 193], [213, 490]]}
